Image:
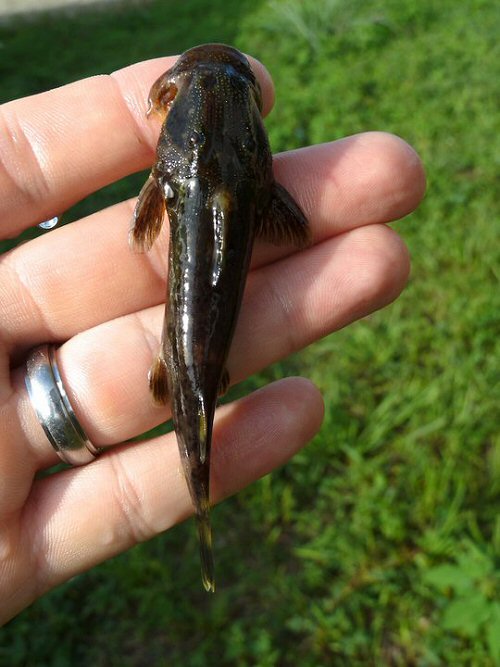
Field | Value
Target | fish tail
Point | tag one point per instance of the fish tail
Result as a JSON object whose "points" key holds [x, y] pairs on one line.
{"points": [[206, 552]]}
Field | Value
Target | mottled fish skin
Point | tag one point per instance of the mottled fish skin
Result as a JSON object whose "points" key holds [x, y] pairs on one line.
{"points": [[213, 175]]}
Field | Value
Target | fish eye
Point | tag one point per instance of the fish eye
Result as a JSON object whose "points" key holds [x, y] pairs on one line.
{"points": [[197, 139]]}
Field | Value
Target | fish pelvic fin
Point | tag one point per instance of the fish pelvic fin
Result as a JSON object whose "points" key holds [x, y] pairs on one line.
{"points": [[225, 381], [158, 381], [206, 551], [148, 216], [283, 221]]}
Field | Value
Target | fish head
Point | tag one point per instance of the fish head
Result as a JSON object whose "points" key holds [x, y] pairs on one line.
{"points": [[205, 62]]}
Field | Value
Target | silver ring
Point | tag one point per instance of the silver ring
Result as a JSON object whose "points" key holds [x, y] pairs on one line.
{"points": [[53, 409]]}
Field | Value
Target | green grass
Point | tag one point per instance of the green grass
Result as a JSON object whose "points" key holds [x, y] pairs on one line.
{"points": [[379, 544]]}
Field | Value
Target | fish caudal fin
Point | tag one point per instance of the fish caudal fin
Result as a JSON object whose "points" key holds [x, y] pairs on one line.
{"points": [[148, 216], [206, 552]]}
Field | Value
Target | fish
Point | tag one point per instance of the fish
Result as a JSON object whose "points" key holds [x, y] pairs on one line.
{"points": [[213, 176]]}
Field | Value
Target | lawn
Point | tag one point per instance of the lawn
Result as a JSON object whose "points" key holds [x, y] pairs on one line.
{"points": [[379, 544]]}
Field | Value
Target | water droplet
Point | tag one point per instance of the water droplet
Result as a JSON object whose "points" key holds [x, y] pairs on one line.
{"points": [[49, 224]]}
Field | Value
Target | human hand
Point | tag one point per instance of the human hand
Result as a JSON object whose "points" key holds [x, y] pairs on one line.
{"points": [[82, 287]]}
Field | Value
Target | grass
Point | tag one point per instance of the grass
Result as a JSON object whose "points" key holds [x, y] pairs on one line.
{"points": [[379, 544]]}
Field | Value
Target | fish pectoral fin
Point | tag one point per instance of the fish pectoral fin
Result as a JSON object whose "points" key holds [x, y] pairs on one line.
{"points": [[224, 383], [158, 381], [148, 216], [283, 222]]}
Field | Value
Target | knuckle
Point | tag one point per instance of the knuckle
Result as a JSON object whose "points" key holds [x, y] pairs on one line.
{"points": [[21, 160], [131, 522]]}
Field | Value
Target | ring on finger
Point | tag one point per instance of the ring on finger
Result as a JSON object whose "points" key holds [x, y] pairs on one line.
{"points": [[54, 410]]}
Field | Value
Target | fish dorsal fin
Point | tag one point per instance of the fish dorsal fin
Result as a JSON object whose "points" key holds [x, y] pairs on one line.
{"points": [[221, 208], [283, 221]]}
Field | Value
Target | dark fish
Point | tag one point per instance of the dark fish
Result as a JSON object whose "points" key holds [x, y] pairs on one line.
{"points": [[213, 175]]}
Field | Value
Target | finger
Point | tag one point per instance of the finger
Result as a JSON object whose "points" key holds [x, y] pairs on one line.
{"points": [[69, 525], [287, 305], [366, 178], [83, 274], [59, 146]]}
